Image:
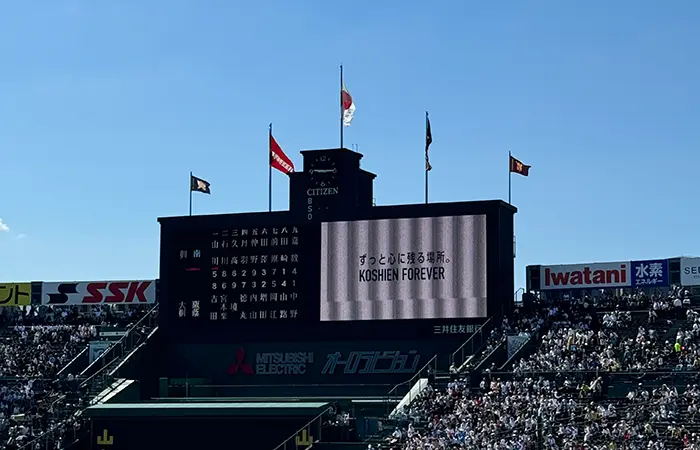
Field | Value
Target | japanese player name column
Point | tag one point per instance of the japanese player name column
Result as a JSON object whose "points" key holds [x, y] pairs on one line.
{"points": [[255, 274], [191, 269]]}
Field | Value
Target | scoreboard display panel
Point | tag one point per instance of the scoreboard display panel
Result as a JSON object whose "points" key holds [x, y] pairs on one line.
{"points": [[242, 277], [394, 269], [267, 276]]}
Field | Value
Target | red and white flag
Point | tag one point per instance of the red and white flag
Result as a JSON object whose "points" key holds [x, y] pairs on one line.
{"points": [[348, 106], [278, 159]]}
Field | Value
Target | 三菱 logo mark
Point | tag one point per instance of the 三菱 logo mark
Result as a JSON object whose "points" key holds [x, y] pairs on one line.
{"points": [[240, 364]]}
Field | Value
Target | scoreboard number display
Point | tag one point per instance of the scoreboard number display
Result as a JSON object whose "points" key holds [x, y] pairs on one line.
{"points": [[242, 274]]}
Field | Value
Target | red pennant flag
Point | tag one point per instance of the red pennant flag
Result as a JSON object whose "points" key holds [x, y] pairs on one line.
{"points": [[278, 159]]}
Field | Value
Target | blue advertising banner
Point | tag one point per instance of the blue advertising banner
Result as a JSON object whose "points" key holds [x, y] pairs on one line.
{"points": [[653, 273]]}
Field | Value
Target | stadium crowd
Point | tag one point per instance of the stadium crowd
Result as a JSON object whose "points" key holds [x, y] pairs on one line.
{"points": [[666, 337], [538, 413], [556, 397], [35, 344], [553, 396]]}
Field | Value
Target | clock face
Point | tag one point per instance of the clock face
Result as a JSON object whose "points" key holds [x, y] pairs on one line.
{"points": [[323, 171]]}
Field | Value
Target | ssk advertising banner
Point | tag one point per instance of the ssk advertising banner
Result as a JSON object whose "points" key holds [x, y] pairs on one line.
{"points": [[389, 269], [137, 292], [586, 276], [690, 271], [650, 273]]}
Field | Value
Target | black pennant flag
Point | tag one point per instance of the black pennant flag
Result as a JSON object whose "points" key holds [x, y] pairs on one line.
{"points": [[428, 141], [199, 185]]}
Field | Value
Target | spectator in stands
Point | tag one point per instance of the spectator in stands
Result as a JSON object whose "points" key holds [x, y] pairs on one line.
{"points": [[528, 414], [536, 406], [38, 344]]}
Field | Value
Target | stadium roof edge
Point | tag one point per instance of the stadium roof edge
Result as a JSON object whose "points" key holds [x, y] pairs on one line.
{"points": [[206, 409], [477, 204]]}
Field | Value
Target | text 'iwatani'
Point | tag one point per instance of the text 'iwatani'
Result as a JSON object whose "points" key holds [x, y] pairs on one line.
{"points": [[402, 274]]}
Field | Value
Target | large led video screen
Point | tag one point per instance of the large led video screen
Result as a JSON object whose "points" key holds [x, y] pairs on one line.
{"points": [[392, 269]]}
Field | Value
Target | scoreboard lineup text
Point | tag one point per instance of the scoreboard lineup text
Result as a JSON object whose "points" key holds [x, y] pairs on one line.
{"points": [[254, 274]]}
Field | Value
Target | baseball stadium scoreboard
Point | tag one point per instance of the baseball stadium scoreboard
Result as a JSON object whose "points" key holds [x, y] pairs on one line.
{"points": [[334, 267]]}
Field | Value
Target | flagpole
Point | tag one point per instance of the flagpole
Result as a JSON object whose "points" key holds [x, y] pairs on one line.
{"points": [[341, 106], [269, 169], [510, 175], [190, 183], [426, 186], [426, 160]]}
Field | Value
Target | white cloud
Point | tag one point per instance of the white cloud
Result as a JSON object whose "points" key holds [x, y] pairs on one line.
{"points": [[21, 236], [3, 226]]}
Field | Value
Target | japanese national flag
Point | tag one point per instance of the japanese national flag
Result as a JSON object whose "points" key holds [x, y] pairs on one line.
{"points": [[348, 106]]}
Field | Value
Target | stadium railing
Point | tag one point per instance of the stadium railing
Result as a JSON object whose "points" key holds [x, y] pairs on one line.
{"points": [[78, 361], [473, 344], [119, 350], [524, 350], [400, 390], [62, 432], [66, 430], [394, 397], [497, 353], [124, 345]]}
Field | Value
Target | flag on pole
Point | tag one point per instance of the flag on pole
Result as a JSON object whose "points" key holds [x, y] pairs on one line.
{"points": [[516, 166], [199, 185], [348, 106], [278, 159], [428, 141]]}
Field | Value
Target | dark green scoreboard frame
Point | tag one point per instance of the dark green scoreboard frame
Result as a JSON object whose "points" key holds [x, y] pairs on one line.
{"points": [[499, 262], [331, 187]]}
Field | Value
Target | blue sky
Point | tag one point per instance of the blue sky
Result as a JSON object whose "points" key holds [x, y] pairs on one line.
{"points": [[105, 107]]}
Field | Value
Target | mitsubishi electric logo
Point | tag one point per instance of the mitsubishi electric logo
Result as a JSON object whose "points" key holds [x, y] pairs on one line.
{"points": [[240, 364], [273, 363], [278, 363]]}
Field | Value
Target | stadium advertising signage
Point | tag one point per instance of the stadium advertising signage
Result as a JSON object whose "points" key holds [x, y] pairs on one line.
{"points": [[135, 292], [651, 273], [586, 276], [303, 361], [638, 274], [271, 363], [690, 271], [392, 362], [15, 294], [271, 277]]}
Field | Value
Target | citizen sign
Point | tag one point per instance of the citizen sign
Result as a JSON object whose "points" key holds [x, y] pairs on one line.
{"points": [[94, 292], [314, 192], [585, 276], [372, 363]]}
